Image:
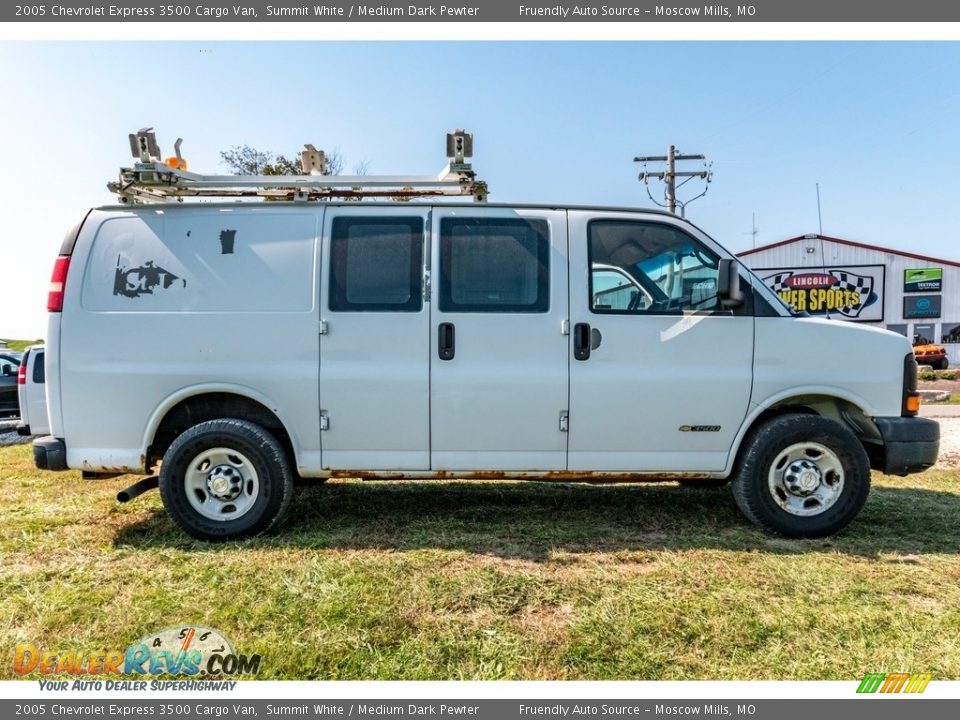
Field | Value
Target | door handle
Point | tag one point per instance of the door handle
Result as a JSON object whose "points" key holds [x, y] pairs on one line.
{"points": [[446, 341], [581, 341]]}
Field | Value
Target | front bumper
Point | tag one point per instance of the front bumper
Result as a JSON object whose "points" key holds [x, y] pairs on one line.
{"points": [[910, 445], [50, 453]]}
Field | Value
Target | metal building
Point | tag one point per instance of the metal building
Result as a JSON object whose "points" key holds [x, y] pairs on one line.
{"points": [[915, 295]]}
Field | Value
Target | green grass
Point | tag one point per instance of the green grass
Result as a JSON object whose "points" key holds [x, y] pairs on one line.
{"points": [[934, 375], [448, 580], [21, 345]]}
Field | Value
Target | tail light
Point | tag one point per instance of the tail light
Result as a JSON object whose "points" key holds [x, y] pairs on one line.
{"points": [[58, 282], [22, 372]]}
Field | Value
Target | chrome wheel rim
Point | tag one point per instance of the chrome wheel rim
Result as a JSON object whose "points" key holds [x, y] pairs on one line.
{"points": [[806, 479], [221, 484]]}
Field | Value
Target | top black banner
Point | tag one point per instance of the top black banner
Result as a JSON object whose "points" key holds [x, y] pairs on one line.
{"points": [[639, 11]]}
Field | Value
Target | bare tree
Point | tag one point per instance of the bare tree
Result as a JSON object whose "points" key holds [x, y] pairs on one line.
{"points": [[361, 167], [246, 160], [334, 163]]}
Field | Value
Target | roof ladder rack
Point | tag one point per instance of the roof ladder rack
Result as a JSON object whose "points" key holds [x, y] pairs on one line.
{"points": [[152, 180]]}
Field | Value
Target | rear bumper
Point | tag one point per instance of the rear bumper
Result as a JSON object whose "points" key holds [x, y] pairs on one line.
{"points": [[50, 453], [910, 445]]}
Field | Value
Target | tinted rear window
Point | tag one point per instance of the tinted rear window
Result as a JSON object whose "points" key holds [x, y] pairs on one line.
{"points": [[39, 371], [494, 265], [376, 264]]}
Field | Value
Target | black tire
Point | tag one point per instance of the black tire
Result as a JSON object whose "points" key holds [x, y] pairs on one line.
{"points": [[703, 483], [257, 464], [794, 442], [943, 364]]}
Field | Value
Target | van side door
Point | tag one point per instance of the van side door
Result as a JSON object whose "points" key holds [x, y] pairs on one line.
{"points": [[374, 350], [660, 373], [499, 367]]}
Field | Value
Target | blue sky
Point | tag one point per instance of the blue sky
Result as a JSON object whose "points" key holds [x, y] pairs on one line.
{"points": [[875, 123]]}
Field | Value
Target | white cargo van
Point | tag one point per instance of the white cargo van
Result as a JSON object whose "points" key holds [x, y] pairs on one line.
{"points": [[240, 345], [31, 391]]}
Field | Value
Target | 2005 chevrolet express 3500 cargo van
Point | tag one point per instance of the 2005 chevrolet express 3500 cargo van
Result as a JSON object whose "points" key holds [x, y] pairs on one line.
{"points": [[242, 345]]}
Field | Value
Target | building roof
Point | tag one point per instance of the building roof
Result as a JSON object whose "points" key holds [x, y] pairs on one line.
{"points": [[851, 243]]}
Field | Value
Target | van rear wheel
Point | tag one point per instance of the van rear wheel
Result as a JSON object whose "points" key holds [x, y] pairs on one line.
{"points": [[226, 479], [802, 476]]}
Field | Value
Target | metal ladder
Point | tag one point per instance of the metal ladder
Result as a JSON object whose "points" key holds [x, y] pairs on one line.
{"points": [[153, 180]]}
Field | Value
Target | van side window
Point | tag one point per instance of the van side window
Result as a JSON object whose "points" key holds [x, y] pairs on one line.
{"points": [[494, 265], [649, 268], [376, 264]]}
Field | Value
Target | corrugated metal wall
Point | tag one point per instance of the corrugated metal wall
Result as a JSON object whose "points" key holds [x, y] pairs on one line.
{"points": [[815, 253]]}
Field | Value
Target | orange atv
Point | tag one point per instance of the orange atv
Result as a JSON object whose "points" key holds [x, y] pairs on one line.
{"points": [[929, 354]]}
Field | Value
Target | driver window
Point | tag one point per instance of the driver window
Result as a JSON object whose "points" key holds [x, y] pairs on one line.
{"points": [[649, 268]]}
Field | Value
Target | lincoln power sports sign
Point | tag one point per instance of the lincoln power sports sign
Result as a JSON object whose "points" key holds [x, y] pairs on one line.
{"points": [[850, 292]]}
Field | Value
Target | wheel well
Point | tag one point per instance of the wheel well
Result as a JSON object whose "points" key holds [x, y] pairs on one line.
{"points": [[212, 406], [826, 406], [785, 409]]}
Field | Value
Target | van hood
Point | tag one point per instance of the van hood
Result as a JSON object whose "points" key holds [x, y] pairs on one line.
{"points": [[806, 355]]}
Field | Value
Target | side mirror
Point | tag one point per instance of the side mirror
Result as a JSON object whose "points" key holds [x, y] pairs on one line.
{"points": [[728, 283], [9, 370]]}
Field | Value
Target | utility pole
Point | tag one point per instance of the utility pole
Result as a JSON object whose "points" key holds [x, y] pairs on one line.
{"points": [[670, 175]]}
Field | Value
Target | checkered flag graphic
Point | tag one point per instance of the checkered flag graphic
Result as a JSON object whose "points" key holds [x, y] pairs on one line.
{"points": [[778, 282], [863, 286]]}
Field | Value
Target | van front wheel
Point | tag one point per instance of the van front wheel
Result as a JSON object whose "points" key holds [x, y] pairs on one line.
{"points": [[802, 476], [226, 479]]}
